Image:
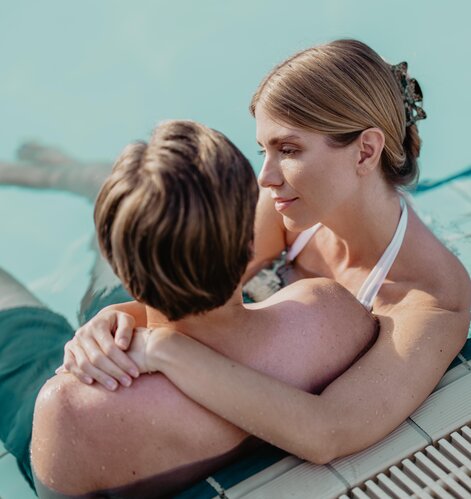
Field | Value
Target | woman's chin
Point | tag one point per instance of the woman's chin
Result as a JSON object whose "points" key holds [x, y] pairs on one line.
{"points": [[295, 225]]}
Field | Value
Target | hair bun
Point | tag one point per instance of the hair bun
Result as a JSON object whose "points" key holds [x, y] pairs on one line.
{"points": [[409, 170]]}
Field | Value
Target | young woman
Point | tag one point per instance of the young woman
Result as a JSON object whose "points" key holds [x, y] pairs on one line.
{"points": [[337, 127]]}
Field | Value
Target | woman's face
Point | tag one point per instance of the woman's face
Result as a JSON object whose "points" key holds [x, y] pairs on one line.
{"points": [[309, 179]]}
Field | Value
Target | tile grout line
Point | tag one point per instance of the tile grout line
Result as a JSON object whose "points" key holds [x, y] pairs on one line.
{"points": [[420, 430], [338, 475]]}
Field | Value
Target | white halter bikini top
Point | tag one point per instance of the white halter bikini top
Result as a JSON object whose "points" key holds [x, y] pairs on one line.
{"points": [[374, 281]]}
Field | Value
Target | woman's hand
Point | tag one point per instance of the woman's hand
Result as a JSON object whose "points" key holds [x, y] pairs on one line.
{"points": [[96, 353]]}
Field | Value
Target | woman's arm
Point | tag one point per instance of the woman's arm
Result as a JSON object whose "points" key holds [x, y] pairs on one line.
{"points": [[358, 409], [270, 235]]}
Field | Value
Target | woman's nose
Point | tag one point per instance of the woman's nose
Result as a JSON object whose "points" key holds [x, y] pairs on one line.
{"points": [[269, 175]]}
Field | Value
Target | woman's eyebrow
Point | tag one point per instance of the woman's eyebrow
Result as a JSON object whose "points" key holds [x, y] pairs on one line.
{"points": [[276, 140]]}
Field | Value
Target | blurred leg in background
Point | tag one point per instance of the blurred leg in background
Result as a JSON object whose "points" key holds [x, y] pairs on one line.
{"points": [[42, 167]]}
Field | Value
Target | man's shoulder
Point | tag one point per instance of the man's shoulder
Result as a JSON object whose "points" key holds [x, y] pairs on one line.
{"points": [[311, 300], [152, 421], [311, 291]]}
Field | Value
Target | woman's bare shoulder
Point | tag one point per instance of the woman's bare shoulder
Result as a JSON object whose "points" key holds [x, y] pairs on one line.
{"points": [[426, 300], [431, 274]]}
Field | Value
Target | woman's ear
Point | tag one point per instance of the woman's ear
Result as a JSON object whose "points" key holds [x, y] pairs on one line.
{"points": [[371, 145]]}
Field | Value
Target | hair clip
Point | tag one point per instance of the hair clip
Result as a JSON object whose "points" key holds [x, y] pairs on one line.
{"points": [[411, 93]]}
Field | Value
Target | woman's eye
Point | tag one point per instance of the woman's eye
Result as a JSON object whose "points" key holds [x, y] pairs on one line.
{"points": [[287, 151], [261, 152]]}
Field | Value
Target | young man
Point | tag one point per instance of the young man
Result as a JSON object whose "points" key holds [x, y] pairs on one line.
{"points": [[175, 221]]}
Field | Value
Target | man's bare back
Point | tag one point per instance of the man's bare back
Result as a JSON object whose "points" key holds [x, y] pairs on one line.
{"points": [[152, 437]]}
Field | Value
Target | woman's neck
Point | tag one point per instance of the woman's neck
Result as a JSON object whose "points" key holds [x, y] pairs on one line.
{"points": [[361, 230]]}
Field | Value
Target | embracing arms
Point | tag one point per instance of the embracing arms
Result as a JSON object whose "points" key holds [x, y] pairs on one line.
{"points": [[419, 338], [359, 408], [414, 348]]}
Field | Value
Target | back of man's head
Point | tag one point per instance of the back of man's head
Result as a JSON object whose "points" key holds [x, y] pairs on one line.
{"points": [[175, 218]]}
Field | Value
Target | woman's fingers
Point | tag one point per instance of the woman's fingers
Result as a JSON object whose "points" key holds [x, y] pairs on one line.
{"points": [[115, 354], [124, 330], [77, 363], [93, 353], [70, 365], [101, 352], [101, 335]]}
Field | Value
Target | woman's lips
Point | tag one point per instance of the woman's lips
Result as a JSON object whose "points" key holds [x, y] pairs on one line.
{"points": [[282, 204]]}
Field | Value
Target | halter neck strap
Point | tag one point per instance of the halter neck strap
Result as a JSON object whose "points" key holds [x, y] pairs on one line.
{"points": [[374, 281]]}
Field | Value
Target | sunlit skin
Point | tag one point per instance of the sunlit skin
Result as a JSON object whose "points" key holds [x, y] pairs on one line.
{"points": [[340, 187], [307, 177], [423, 305]]}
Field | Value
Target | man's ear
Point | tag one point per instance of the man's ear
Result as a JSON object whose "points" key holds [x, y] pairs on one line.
{"points": [[370, 147]]}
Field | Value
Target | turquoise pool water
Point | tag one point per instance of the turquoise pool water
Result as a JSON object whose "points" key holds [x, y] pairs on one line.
{"points": [[89, 77]]}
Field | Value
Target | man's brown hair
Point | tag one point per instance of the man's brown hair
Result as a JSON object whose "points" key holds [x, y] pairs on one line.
{"points": [[175, 219]]}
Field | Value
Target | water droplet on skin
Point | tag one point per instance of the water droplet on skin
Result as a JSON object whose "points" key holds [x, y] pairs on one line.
{"points": [[332, 431], [103, 468], [367, 421], [74, 442], [153, 422]]}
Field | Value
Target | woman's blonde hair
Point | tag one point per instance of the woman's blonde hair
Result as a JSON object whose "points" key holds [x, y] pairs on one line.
{"points": [[340, 89], [175, 219]]}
